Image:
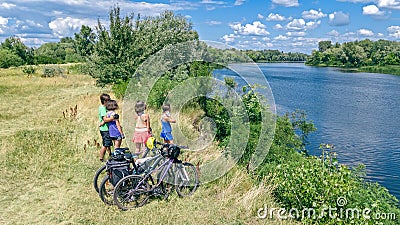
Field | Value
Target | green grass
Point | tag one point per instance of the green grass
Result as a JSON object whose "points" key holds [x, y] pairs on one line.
{"points": [[48, 160], [389, 69]]}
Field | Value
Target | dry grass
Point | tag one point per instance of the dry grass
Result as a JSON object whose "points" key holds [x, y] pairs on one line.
{"points": [[48, 161]]}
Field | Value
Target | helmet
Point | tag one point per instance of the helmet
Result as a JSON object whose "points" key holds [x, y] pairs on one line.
{"points": [[150, 142]]}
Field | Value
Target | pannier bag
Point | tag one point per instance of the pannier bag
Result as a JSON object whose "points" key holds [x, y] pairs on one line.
{"points": [[118, 170]]}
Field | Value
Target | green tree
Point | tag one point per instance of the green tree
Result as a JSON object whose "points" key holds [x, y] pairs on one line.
{"points": [[84, 41], [127, 43], [49, 53], [9, 58], [324, 45], [15, 45]]}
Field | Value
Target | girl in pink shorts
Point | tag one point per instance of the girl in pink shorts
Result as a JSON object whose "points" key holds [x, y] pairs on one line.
{"points": [[142, 128]]}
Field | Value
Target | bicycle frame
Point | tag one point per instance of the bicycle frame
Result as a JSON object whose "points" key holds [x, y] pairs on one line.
{"points": [[168, 163]]}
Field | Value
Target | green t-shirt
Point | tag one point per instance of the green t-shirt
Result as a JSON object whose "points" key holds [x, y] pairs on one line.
{"points": [[102, 113]]}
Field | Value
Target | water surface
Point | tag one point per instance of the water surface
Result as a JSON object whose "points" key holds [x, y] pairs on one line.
{"points": [[357, 112]]}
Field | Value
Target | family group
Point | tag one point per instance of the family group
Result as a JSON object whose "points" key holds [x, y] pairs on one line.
{"points": [[111, 129]]}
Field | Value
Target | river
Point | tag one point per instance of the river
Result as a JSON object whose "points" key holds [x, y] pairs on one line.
{"points": [[357, 112]]}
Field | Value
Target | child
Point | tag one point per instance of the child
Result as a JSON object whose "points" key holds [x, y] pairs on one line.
{"points": [[142, 128], [107, 143], [114, 126], [166, 120]]}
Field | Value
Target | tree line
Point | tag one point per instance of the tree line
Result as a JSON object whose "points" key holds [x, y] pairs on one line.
{"points": [[13, 52], [275, 56], [356, 54]]}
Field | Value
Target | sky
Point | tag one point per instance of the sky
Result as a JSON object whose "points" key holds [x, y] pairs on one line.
{"points": [[286, 25]]}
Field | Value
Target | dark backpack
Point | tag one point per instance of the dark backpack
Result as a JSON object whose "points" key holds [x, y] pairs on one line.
{"points": [[118, 170]]}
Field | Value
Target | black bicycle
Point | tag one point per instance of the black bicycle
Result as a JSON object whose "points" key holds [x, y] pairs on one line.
{"points": [[102, 172], [134, 190], [121, 164]]}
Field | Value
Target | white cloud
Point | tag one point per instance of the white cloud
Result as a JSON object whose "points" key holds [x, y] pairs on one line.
{"points": [[239, 2], [7, 5], [281, 38], [57, 13], [313, 14], [33, 23], [257, 28], [296, 24], [32, 41], [275, 17], [286, 3], [266, 39], [339, 19], [259, 16], [63, 27], [278, 27], [372, 10], [214, 22], [394, 31], [365, 32], [333, 33], [356, 1], [269, 45], [296, 34], [312, 24], [380, 35], [212, 2], [229, 38], [390, 4], [3, 21], [300, 24], [1, 31]]}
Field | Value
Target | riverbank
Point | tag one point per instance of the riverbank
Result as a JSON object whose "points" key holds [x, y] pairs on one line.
{"points": [[49, 154], [389, 69]]}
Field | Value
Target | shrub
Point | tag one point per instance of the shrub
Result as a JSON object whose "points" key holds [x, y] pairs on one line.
{"points": [[8, 59], [29, 70], [308, 182], [52, 71]]}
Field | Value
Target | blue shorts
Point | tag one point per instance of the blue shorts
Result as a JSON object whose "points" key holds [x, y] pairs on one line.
{"points": [[167, 136]]}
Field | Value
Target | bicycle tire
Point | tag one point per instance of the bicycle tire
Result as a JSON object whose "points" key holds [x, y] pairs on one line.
{"points": [[167, 184], [127, 194], [106, 191], [96, 181], [186, 179]]}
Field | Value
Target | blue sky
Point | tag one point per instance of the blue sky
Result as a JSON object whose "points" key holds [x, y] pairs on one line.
{"points": [[287, 25]]}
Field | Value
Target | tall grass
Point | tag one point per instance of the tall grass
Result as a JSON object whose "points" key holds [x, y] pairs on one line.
{"points": [[48, 156]]}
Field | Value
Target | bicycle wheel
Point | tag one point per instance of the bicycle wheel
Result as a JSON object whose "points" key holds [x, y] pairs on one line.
{"points": [[99, 173], [186, 179], [131, 192], [106, 191]]}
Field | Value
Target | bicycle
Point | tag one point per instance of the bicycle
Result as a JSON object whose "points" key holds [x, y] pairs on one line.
{"points": [[121, 165], [134, 190], [101, 172]]}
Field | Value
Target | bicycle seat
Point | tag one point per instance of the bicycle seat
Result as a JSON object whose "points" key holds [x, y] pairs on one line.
{"points": [[121, 149]]}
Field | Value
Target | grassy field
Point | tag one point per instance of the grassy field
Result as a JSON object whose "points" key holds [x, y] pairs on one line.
{"points": [[49, 154]]}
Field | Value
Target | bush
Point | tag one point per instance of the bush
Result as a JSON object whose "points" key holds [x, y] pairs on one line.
{"points": [[8, 59], [308, 182], [52, 71], [29, 70]]}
